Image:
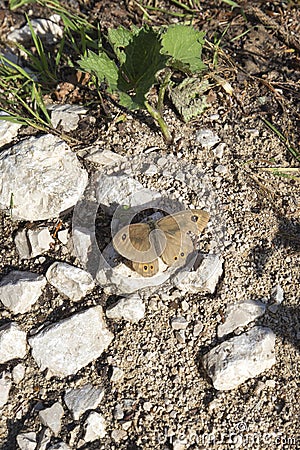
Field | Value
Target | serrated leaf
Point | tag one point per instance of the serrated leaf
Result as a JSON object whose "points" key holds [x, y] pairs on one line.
{"points": [[143, 61], [184, 45], [102, 67], [119, 38], [188, 97]]}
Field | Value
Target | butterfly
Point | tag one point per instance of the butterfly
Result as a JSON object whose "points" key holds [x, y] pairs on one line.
{"points": [[167, 238]]}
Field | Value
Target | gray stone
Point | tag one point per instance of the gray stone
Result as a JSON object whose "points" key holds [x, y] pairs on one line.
{"points": [[240, 314], [131, 308], [207, 138], [12, 342], [94, 427], [66, 346], [40, 241], [179, 323], [240, 358], [81, 399], [18, 373], [47, 29], [27, 441], [70, 281], [66, 116], [103, 157], [41, 177], [8, 130], [51, 417], [20, 290], [5, 385], [204, 278]]}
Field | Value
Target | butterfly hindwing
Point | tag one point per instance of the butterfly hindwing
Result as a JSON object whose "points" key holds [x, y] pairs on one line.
{"points": [[146, 269]]}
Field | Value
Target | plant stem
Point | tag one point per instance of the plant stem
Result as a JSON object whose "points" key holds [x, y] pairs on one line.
{"points": [[159, 119], [162, 91]]}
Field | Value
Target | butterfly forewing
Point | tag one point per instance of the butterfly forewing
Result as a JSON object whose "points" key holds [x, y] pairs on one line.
{"points": [[134, 243]]}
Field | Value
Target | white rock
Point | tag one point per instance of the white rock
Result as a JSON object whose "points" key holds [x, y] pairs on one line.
{"points": [[20, 290], [95, 427], [5, 385], [22, 244], [40, 241], [18, 373], [51, 417], [81, 399], [277, 294], [44, 176], [207, 138], [113, 190], [81, 245], [120, 279], [62, 236], [204, 278], [222, 170], [70, 281], [219, 150], [46, 29], [66, 116], [240, 358], [118, 435], [103, 157], [117, 375], [12, 342], [8, 130], [180, 444], [59, 446], [27, 441], [179, 323], [240, 314], [68, 345], [131, 308]]}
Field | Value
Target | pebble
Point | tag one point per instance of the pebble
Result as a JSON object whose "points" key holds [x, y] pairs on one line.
{"points": [[70, 281], [240, 314], [240, 358], [79, 400], [5, 386], [51, 417], [94, 427], [207, 138], [117, 375], [27, 441], [66, 116], [118, 435], [62, 236], [131, 308], [48, 30], [8, 130], [118, 412], [66, 346], [44, 176], [179, 323], [12, 342], [20, 290], [18, 373]]}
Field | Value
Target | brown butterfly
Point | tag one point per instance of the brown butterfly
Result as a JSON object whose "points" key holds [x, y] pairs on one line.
{"points": [[167, 238]]}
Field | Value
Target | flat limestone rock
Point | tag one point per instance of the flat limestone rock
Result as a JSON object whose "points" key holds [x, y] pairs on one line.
{"points": [[20, 290], [66, 346], [8, 130], [240, 314], [81, 399], [94, 427], [240, 358], [51, 417], [70, 281], [41, 177], [12, 342], [131, 308]]}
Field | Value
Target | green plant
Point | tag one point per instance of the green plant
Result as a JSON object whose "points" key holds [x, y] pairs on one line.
{"points": [[138, 55]]}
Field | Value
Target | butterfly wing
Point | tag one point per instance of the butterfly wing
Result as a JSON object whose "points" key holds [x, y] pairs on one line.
{"points": [[134, 243], [146, 269], [175, 228]]}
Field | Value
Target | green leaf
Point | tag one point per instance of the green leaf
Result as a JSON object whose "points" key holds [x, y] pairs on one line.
{"points": [[184, 45], [119, 38], [102, 67], [143, 61]]}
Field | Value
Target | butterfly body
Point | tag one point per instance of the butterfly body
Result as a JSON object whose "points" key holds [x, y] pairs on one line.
{"points": [[167, 238]]}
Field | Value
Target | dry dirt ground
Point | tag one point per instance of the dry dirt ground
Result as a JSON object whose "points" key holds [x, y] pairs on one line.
{"points": [[170, 396]]}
